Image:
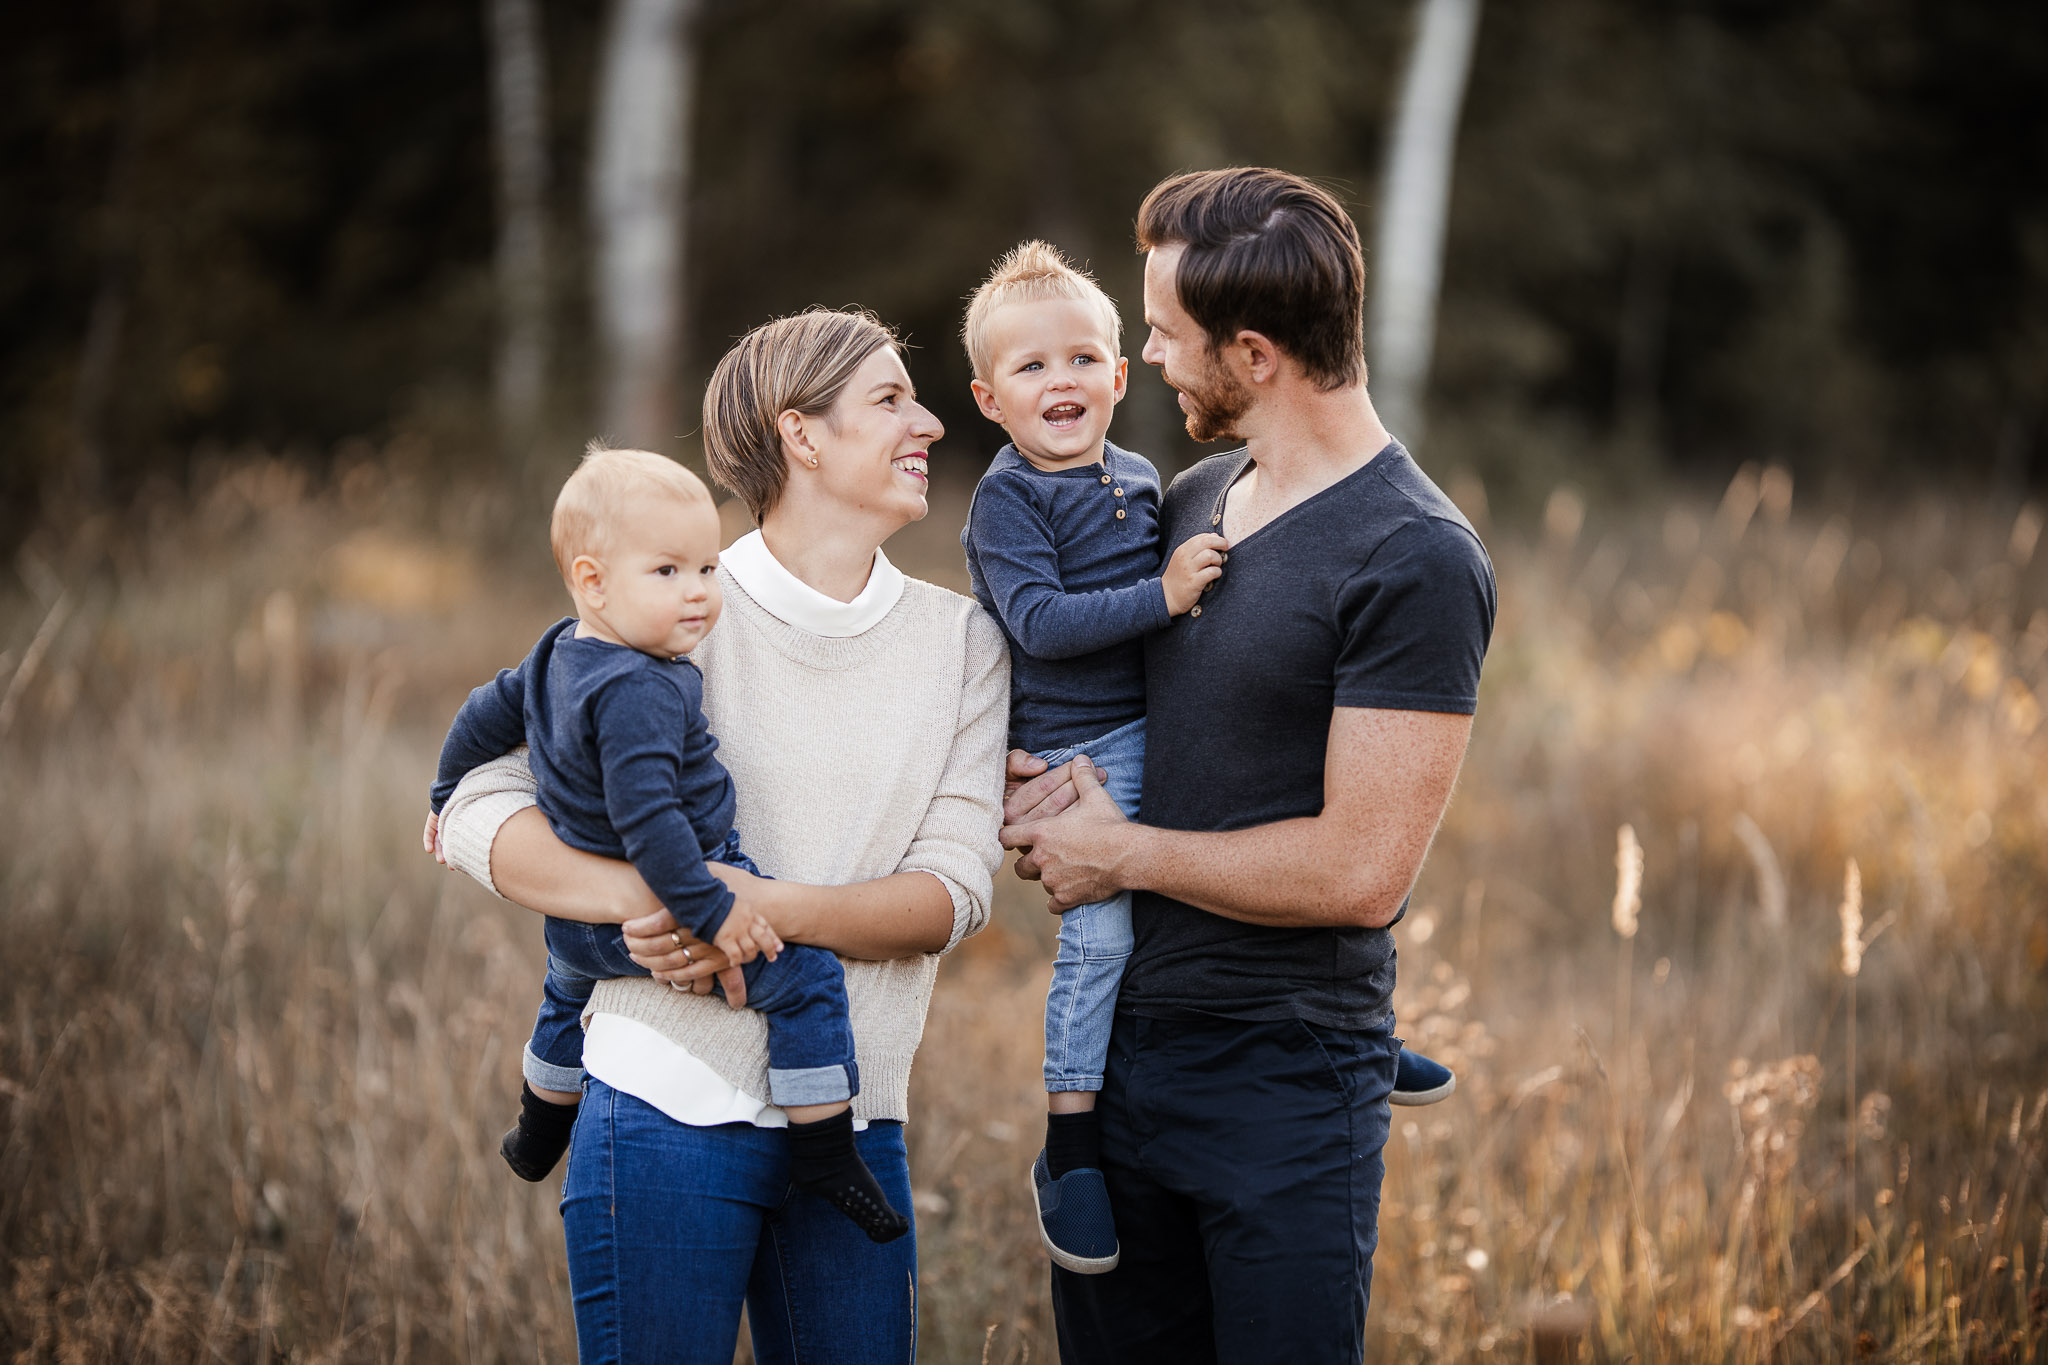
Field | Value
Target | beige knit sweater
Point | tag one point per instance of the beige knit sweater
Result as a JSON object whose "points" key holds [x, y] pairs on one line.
{"points": [[853, 758]]}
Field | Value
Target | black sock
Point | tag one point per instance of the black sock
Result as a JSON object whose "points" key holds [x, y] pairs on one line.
{"points": [[823, 1160], [537, 1141], [1073, 1142]]}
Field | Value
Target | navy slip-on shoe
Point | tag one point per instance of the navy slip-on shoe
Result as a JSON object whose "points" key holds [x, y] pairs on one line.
{"points": [[1421, 1081], [1074, 1220]]}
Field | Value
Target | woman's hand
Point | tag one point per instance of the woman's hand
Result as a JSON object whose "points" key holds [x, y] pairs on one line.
{"points": [[683, 960], [1076, 854]]}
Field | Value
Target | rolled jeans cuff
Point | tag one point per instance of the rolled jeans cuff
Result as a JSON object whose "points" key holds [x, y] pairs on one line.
{"points": [[808, 1085], [544, 1075]]}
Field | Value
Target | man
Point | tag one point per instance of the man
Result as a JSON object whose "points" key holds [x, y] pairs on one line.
{"points": [[1306, 722]]}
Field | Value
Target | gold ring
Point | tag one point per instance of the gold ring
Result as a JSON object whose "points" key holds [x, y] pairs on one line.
{"points": [[687, 958], [676, 938]]}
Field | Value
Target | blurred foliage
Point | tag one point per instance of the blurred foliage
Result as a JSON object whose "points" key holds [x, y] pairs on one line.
{"points": [[1684, 232]]}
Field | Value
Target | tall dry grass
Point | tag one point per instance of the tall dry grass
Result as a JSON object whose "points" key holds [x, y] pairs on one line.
{"points": [[256, 1049]]}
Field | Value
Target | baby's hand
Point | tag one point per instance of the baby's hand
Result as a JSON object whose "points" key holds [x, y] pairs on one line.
{"points": [[746, 935], [1194, 566]]}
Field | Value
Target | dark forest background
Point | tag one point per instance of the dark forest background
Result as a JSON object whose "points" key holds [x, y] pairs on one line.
{"points": [[1684, 233]]}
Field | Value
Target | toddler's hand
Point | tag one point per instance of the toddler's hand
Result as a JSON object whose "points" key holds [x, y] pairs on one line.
{"points": [[746, 935], [431, 838], [1194, 566]]}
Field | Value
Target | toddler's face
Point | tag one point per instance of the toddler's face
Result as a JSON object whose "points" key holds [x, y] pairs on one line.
{"points": [[661, 593], [1054, 380]]}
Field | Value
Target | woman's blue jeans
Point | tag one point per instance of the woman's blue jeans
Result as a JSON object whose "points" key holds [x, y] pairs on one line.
{"points": [[672, 1228], [1095, 940]]}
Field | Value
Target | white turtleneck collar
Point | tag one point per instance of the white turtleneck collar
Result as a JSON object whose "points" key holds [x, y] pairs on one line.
{"points": [[796, 603]]}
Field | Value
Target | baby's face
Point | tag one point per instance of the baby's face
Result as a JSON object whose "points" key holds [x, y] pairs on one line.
{"points": [[1054, 379], [661, 592]]}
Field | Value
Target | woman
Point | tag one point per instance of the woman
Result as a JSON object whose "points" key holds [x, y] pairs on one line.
{"points": [[862, 716]]}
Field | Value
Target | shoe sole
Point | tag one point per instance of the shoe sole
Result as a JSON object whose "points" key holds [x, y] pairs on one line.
{"points": [[1067, 1260], [1420, 1097]]}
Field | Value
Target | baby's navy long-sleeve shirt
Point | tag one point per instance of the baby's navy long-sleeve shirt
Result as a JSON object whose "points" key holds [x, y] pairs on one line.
{"points": [[624, 761], [1067, 561]]}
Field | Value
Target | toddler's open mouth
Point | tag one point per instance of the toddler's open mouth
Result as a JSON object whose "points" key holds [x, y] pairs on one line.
{"points": [[1063, 416]]}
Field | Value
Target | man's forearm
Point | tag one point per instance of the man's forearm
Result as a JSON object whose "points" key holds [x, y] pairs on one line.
{"points": [[900, 915], [1290, 874]]}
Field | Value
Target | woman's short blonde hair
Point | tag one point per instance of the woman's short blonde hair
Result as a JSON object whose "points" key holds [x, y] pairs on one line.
{"points": [[1032, 272], [603, 486], [794, 364]]}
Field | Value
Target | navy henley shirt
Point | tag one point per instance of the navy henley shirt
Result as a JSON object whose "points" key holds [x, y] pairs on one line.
{"points": [[1067, 561], [624, 760]]}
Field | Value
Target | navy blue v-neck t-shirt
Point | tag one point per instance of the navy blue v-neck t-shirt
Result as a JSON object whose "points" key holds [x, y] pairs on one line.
{"points": [[1374, 593]]}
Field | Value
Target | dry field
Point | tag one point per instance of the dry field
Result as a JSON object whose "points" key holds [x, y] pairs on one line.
{"points": [[256, 1049]]}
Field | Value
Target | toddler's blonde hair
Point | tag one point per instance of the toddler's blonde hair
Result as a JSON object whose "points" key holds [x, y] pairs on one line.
{"points": [[589, 504], [1031, 272]]}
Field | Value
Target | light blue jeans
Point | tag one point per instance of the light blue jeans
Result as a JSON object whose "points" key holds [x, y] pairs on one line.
{"points": [[1095, 940]]}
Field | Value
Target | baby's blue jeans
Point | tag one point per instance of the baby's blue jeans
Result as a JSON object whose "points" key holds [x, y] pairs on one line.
{"points": [[1095, 940], [802, 994]]}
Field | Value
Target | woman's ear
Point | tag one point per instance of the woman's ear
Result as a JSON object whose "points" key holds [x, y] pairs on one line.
{"points": [[795, 430], [586, 577]]}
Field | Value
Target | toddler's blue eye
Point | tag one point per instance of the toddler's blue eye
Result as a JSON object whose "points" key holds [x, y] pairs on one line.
{"points": [[1034, 365]]}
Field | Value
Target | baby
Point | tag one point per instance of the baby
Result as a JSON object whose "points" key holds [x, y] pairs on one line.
{"points": [[611, 712], [1063, 549]]}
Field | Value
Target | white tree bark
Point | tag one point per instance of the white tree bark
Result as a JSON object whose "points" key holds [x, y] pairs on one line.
{"points": [[640, 172], [1415, 195], [519, 103]]}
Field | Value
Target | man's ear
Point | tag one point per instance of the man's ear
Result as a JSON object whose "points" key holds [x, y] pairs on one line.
{"points": [[797, 445], [985, 399], [586, 576], [1257, 356]]}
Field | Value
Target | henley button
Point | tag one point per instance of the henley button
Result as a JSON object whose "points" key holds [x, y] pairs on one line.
{"points": [[1118, 491], [1216, 520], [1194, 611], [1119, 514], [1105, 478]]}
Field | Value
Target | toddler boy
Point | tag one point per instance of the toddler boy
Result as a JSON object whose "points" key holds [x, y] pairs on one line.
{"points": [[611, 711], [1063, 549]]}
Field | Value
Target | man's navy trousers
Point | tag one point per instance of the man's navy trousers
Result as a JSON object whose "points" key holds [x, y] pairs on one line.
{"points": [[1244, 1162]]}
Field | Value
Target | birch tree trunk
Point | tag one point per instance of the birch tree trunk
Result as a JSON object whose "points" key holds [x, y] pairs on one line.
{"points": [[640, 172], [1415, 200], [519, 103]]}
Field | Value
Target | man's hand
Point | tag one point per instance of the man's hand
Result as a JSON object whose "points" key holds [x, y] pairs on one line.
{"points": [[1075, 854], [1031, 793], [683, 961], [1194, 566]]}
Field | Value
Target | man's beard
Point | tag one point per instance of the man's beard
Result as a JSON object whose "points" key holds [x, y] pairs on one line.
{"points": [[1215, 402]]}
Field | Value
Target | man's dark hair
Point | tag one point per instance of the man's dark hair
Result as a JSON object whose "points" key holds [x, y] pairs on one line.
{"points": [[1266, 252]]}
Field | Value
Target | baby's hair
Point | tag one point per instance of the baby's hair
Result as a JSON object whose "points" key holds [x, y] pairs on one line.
{"points": [[1031, 272], [605, 482]]}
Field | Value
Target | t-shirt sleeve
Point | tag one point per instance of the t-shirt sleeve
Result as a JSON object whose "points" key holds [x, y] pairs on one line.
{"points": [[1415, 620], [643, 725]]}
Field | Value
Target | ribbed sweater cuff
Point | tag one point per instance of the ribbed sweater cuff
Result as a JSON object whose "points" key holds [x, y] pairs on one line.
{"points": [[467, 840]]}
